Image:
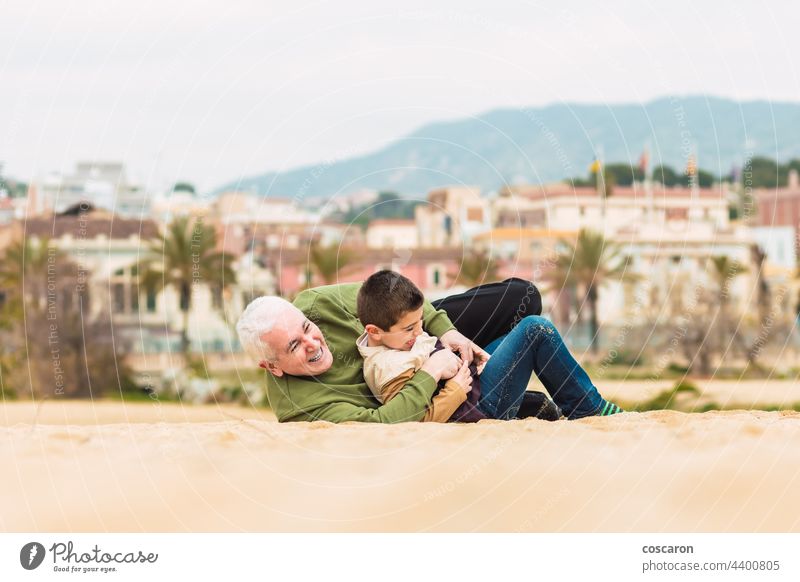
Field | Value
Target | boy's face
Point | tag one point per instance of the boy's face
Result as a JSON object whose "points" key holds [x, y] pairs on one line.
{"points": [[403, 334]]}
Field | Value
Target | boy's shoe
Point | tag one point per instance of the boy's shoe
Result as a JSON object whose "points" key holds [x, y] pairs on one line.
{"points": [[538, 405], [609, 408]]}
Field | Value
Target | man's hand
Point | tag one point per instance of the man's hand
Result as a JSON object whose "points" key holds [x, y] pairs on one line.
{"points": [[464, 378], [468, 350], [442, 365]]}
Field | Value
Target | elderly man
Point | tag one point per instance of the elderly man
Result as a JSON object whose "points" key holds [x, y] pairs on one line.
{"points": [[315, 369]]}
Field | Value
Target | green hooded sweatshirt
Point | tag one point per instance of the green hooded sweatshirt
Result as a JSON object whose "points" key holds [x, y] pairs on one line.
{"points": [[340, 394]]}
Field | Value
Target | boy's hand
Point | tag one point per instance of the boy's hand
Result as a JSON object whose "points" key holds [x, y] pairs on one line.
{"points": [[442, 365], [468, 350], [464, 378]]}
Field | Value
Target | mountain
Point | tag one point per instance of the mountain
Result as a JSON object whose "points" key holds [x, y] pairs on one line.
{"points": [[550, 143]]}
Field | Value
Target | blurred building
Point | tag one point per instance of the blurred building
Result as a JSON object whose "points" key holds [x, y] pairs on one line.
{"points": [[176, 203], [101, 184], [395, 233], [108, 250], [432, 270], [249, 222], [666, 237], [778, 242], [451, 217], [565, 207], [781, 206]]}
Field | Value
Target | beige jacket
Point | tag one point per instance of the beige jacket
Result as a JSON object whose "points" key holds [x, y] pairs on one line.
{"points": [[386, 371]]}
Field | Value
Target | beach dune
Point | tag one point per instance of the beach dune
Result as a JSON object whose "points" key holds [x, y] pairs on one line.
{"points": [[235, 469]]}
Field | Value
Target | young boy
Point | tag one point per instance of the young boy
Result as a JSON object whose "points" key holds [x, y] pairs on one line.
{"points": [[394, 347]]}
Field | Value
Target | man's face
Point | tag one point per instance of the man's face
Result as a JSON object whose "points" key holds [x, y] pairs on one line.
{"points": [[298, 345]]}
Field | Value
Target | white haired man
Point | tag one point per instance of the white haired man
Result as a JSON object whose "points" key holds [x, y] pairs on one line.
{"points": [[315, 370]]}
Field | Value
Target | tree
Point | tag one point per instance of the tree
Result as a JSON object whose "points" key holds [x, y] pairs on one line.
{"points": [[51, 344], [476, 268], [723, 271], [183, 187], [182, 257], [764, 299], [589, 265], [387, 205], [624, 174], [666, 175], [326, 263], [705, 179]]}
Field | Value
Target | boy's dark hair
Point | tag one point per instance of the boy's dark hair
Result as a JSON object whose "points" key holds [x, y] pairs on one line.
{"points": [[385, 296]]}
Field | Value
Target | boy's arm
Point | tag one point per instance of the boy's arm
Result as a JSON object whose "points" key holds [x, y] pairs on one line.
{"points": [[445, 403], [391, 388]]}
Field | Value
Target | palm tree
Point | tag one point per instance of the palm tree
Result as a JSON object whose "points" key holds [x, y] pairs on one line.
{"points": [[476, 268], [182, 257], [42, 314], [23, 284], [723, 271], [328, 262], [589, 265], [764, 294], [19, 268]]}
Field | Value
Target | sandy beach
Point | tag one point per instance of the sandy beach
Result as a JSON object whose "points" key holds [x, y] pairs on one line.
{"points": [[108, 466]]}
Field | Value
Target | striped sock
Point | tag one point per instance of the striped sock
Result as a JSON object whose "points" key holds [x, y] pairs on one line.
{"points": [[609, 409]]}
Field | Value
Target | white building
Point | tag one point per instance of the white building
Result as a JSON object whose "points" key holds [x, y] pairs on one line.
{"points": [[667, 237], [451, 217], [778, 242], [564, 207], [169, 205], [101, 184], [392, 234]]}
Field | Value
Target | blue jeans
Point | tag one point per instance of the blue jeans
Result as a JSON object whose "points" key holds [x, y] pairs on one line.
{"points": [[535, 346]]}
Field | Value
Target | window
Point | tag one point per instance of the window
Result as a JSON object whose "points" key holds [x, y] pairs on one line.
{"points": [[216, 297], [118, 297], [184, 300], [247, 297], [475, 214], [677, 213], [151, 300], [66, 300], [135, 298]]}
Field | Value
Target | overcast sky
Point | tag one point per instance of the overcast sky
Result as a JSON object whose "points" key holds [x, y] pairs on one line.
{"points": [[211, 91]]}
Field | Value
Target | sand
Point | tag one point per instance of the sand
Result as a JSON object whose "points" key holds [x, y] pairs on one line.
{"points": [[82, 466]]}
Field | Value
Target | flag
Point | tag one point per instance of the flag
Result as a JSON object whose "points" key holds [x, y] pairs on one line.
{"points": [[595, 166], [644, 162], [691, 166]]}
